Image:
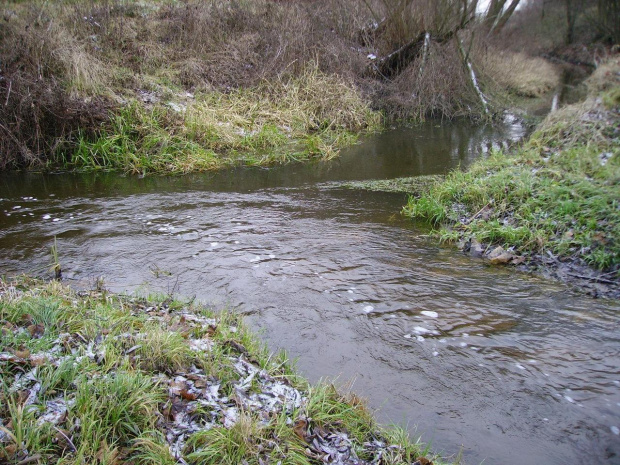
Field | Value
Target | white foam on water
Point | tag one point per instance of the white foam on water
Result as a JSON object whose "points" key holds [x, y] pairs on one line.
{"points": [[407, 336], [615, 430], [350, 291], [519, 366], [463, 344], [47, 217], [570, 399], [214, 244], [435, 354], [429, 313], [420, 338], [465, 334], [368, 308], [421, 330], [56, 219], [255, 259], [17, 207]]}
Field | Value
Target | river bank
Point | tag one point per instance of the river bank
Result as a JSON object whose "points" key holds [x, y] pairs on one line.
{"points": [[190, 385], [176, 87], [551, 204], [350, 289]]}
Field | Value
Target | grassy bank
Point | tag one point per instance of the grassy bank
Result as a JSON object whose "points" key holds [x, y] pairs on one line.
{"points": [[311, 116], [92, 377], [171, 87], [558, 194]]}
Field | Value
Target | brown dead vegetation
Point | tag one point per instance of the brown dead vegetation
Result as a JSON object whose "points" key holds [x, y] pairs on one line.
{"points": [[65, 67]]}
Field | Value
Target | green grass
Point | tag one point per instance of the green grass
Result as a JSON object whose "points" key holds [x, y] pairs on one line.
{"points": [[310, 117], [559, 192], [94, 377]]}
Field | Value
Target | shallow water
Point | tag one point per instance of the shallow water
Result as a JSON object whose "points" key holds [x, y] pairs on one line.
{"points": [[514, 368]]}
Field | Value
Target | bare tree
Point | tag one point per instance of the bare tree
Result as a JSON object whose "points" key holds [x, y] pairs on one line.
{"points": [[498, 14]]}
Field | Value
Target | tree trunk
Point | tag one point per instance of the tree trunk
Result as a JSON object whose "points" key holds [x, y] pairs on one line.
{"points": [[472, 75], [503, 19], [493, 12]]}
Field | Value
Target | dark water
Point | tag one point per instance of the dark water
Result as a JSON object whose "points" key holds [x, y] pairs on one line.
{"points": [[514, 368]]}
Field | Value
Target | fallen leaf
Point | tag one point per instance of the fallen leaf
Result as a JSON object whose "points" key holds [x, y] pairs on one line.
{"points": [[38, 360], [22, 353], [36, 331], [300, 429], [185, 394], [10, 450], [600, 237], [422, 461]]}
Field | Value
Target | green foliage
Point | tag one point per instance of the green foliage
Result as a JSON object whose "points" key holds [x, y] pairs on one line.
{"points": [[273, 123], [113, 410], [565, 201], [104, 367]]}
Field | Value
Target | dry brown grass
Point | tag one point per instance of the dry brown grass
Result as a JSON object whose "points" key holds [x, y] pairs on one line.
{"points": [[64, 64], [606, 77], [518, 73]]}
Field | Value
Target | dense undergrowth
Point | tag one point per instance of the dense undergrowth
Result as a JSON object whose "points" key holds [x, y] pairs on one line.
{"points": [[559, 192], [93, 377], [177, 86]]}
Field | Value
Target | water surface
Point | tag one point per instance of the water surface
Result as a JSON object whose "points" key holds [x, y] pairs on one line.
{"points": [[514, 368]]}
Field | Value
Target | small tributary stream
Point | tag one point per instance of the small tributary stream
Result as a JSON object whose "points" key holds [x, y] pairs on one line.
{"points": [[514, 368]]}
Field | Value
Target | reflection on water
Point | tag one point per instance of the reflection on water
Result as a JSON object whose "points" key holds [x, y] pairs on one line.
{"points": [[496, 361]]}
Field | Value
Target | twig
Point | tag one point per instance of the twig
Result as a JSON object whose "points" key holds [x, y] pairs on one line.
{"points": [[34, 458], [479, 211], [67, 438], [8, 93]]}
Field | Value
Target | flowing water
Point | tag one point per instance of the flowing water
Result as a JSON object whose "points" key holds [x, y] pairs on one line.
{"points": [[513, 368]]}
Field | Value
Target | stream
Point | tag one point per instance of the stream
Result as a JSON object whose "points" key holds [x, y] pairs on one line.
{"points": [[507, 368]]}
